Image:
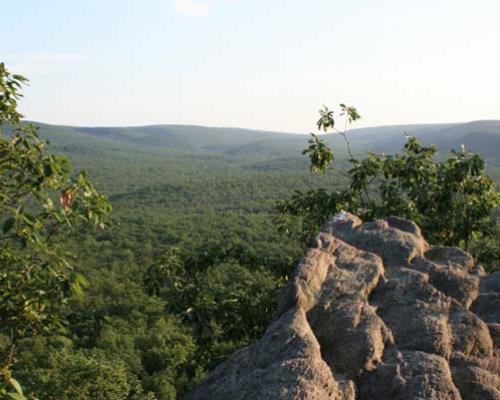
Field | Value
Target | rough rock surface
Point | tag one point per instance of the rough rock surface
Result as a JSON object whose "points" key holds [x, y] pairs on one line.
{"points": [[374, 313]]}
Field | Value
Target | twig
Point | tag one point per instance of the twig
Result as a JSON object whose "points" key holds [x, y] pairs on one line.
{"points": [[347, 142]]}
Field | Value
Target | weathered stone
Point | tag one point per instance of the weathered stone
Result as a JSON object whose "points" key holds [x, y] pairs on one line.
{"points": [[451, 257], [476, 378], [452, 281], [396, 247], [305, 284], [495, 335], [358, 328], [285, 364], [410, 375], [373, 312], [487, 304], [491, 283], [471, 335]]}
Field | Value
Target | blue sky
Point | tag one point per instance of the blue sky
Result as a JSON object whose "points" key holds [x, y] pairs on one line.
{"points": [[265, 64]]}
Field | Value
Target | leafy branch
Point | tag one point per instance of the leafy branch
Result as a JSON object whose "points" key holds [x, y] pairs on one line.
{"points": [[452, 199]]}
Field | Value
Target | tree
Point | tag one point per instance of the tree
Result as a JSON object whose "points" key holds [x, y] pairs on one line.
{"points": [[77, 375], [41, 203], [225, 303], [452, 200]]}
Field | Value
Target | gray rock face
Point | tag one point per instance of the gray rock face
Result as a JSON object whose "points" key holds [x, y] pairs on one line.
{"points": [[286, 363], [373, 312]]}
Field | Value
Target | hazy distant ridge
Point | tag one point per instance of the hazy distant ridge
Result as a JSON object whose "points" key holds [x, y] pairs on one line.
{"points": [[480, 136]]}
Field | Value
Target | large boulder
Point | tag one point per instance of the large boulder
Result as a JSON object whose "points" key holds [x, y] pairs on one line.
{"points": [[373, 312], [285, 363]]}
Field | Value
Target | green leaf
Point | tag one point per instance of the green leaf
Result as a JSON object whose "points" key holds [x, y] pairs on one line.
{"points": [[16, 396], [17, 387], [8, 224]]}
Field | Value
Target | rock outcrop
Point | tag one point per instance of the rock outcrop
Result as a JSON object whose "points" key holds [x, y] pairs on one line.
{"points": [[374, 313]]}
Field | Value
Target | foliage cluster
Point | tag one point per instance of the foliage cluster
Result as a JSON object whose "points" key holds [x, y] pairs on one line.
{"points": [[452, 199], [39, 201]]}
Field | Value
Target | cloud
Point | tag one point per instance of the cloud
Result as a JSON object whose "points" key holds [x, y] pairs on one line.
{"points": [[190, 8]]}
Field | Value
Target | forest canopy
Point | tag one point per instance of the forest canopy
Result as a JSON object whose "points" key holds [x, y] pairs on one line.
{"points": [[142, 302]]}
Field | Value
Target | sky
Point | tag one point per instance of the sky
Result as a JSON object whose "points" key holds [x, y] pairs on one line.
{"points": [[262, 64]]}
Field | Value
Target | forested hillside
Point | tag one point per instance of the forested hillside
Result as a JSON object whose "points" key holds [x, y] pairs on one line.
{"points": [[204, 216], [478, 136], [189, 268]]}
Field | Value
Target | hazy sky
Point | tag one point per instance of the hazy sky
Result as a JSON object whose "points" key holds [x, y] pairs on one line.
{"points": [[266, 64]]}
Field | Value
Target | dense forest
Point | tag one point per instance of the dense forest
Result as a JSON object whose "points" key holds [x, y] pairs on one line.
{"points": [[189, 262], [185, 272]]}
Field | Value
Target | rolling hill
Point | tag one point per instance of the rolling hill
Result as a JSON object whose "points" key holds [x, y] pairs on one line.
{"points": [[479, 136]]}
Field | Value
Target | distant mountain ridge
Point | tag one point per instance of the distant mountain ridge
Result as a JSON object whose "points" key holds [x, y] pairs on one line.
{"points": [[478, 136]]}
